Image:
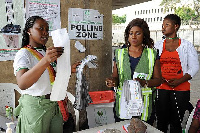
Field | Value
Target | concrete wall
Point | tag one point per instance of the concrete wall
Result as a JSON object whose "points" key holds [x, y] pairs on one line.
{"points": [[100, 48]]}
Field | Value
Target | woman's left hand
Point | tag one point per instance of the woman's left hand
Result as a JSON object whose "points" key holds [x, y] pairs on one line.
{"points": [[141, 81], [173, 82], [74, 66]]}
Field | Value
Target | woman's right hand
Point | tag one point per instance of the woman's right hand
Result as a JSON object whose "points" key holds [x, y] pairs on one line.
{"points": [[111, 82], [164, 80], [74, 66], [52, 53]]}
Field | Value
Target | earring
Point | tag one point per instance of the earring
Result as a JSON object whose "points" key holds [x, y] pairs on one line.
{"points": [[29, 33], [128, 44]]}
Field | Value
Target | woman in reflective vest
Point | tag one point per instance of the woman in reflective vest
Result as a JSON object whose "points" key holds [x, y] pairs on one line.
{"points": [[136, 60]]}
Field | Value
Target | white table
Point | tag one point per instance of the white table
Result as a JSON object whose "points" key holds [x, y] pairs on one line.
{"points": [[119, 125]]}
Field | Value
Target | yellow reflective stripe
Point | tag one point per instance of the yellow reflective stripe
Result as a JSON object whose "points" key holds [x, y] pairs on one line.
{"points": [[145, 93], [119, 91], [120, 58], [120, 94], [146, 90], [120, 88], [151, 62], [146, 106]]}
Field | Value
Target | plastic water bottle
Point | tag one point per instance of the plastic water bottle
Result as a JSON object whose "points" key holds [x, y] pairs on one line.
{"points": [[8, 130]]}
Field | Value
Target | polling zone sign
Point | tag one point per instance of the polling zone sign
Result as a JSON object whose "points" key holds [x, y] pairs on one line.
{"points": [[85, 24]]}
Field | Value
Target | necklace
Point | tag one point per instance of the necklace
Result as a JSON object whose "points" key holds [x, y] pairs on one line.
{"points": [[172, 38]]}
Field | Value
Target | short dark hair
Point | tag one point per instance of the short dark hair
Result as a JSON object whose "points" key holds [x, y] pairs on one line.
{"points": [[147, 41], [174, 18], [29, 24]]}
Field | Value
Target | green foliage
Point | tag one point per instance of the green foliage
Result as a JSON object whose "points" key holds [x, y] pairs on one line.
{"points": [[169, 4], [118, 19], [197, 7], [186, 14]]}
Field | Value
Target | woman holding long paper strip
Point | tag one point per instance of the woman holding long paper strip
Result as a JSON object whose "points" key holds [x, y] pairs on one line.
{"points": [[33, 67]]}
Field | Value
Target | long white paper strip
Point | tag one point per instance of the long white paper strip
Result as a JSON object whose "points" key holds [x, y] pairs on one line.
{"points": [[82, 98], [59, 91]]}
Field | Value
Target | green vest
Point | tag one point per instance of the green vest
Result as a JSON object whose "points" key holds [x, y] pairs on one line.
{"points": [[143, 70]]}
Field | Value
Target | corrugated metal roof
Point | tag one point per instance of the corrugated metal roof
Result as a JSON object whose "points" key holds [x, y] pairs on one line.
{"points": [[116, 4]]}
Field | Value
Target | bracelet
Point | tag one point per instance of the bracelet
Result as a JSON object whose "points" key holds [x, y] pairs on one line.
{"points": [[113, 82]]}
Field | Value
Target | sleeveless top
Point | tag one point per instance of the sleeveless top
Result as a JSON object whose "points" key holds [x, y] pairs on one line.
{"points": [[171, 69]]}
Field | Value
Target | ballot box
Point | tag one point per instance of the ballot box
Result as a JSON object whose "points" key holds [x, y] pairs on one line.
{"points": [[100, 111]]}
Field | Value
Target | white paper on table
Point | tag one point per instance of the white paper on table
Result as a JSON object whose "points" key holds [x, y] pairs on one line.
{"points": [[59, 90]]}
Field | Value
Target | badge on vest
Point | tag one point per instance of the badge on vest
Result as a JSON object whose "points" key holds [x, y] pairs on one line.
{"points": [[140, 75]]}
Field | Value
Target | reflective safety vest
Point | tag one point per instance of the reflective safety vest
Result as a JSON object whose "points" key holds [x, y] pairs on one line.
{"points": [[143, 70]]}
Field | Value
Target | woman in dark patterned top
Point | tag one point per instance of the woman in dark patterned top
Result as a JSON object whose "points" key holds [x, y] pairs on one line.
{"points": [[195, 125]]}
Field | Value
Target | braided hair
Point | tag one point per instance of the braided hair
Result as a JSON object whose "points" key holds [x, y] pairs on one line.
{"points": [[147, 41], [29, 24]]}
